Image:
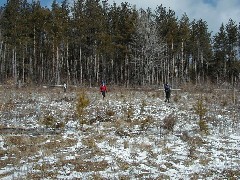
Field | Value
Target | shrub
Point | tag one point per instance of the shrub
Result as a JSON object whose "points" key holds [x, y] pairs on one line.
{"points": [[200, 109], [121, 132], [146, 122], [224, 103], [49, 121], [185, 136], [230, 174], [169, 122], [192, 152], [126, 144], [129, 111], [60, 125], [143, 105], [89, 142], [176, 98], [82, 103], [203, 126], [110, 112]]}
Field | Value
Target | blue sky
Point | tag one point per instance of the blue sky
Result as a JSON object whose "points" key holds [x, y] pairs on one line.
{"points": [[43, 3], [214, 12]]}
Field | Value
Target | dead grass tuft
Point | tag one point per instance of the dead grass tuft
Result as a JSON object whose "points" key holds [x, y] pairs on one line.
{"points": [[110, 112], [89, 142], [17, 140], [86, 166], [169, 122], [145, 123]]}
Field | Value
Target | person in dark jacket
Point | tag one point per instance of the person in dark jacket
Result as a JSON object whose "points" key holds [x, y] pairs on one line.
{"points": [[167, 90], [103, 89]]}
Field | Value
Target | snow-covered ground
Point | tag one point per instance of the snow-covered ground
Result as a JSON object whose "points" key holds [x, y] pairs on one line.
{"points": [[125, 136]]}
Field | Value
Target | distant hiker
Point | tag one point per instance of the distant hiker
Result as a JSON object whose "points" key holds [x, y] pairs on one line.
{"points": [[103, 89], [167, 90], [65, 87]]}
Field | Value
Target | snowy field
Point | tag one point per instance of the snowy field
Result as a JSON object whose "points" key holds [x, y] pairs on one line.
{"points": [[132, 134]]}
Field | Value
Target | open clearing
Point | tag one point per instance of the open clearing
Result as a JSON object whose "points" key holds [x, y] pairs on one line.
{"points": [[132, 134]]}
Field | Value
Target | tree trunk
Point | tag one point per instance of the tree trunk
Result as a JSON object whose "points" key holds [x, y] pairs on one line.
{"points": [[81, 66], [14, 64], [68, 70], [57, 67], [42, 67], [33, 61], [23, 65], [96, 66], [182, 63], [53, 65], [3, 58], [202, 69]]}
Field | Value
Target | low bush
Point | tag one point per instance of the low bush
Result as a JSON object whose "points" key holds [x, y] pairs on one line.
{"points": [[169, 122], [51, 122]]}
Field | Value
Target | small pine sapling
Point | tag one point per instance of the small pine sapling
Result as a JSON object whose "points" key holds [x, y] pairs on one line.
{"points": [[201, 110], [82, 103]]}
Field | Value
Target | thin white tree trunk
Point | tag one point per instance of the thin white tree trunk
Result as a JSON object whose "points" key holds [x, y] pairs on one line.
{"points": [[96, 66], [53, 63], [42, 67], [68, 70], [1, 57], [81, 66], [57, 67], [3, 64], [203, 78], [34, 53], [182, 58], [14, 64], [23, 65]]}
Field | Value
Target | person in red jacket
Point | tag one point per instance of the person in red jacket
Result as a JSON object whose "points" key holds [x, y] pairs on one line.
{"points": [[103, 89]]}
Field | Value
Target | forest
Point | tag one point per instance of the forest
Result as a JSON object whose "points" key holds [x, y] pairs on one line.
{"points": [[88, 41]]}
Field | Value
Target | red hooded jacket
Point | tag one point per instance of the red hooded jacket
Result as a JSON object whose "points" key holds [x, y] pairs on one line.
{"points": [[103, 87]]}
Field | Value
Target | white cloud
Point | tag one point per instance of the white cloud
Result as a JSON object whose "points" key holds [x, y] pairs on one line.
{"points": [[214, 14]]}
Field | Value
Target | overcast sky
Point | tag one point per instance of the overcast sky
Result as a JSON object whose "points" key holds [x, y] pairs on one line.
{"points": [[214, 12]]}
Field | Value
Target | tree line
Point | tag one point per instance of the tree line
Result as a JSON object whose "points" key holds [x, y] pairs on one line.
{"points": [[91, 40]]}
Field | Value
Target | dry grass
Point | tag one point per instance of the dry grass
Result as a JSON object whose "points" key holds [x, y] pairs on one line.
{"points": [[112, 141], [89, 143], [87, 166], [110, 112], [169, 122], [88, 156]]}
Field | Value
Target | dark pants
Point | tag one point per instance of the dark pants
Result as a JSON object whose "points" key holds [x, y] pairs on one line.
{"points": [[167, 96], [103, 94]]}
